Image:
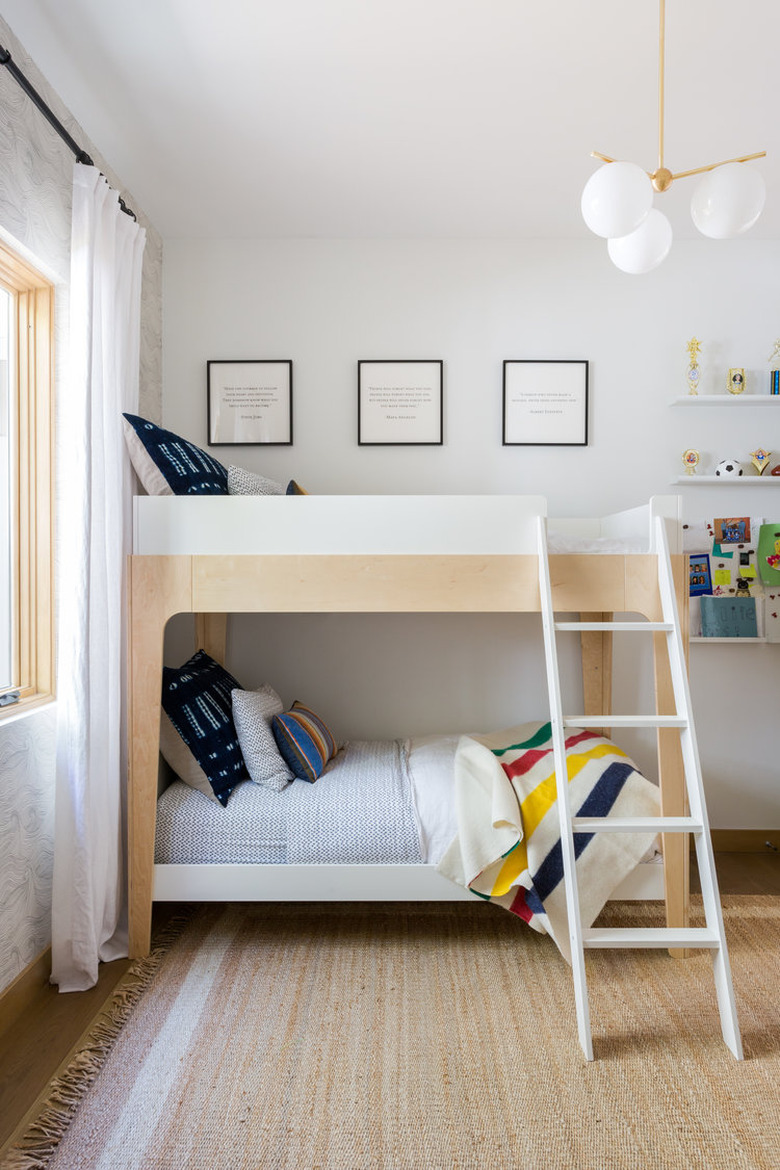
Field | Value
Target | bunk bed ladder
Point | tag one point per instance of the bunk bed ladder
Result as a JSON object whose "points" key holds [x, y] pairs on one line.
{"points": [[711, 936]]}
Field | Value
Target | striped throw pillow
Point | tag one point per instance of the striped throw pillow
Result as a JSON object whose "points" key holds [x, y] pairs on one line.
{"points": [[305, 742]]}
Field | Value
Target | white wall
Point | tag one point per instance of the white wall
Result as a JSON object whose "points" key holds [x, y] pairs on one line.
{"points": [[326, 304], [36, 178]]}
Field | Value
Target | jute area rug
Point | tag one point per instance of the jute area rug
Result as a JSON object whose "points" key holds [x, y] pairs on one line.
{"points": [[423, 1036]]}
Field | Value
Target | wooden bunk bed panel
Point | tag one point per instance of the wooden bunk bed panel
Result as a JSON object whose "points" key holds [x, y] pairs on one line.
{"points": [[468, 583], [365, 584]]}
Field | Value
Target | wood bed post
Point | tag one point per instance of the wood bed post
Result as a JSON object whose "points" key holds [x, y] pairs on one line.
{"points": [[643, 596], [158, 587], [596, 648], [211, 635]]}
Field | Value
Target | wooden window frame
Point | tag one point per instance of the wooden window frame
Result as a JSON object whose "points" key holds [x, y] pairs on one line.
{"points": [[31, 395]]}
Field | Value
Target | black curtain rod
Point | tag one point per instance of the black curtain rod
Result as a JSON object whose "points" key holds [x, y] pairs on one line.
{"points": [[51, 118]]}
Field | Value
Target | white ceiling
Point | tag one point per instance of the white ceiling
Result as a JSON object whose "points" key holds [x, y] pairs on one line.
{"points": [[391, 118]]}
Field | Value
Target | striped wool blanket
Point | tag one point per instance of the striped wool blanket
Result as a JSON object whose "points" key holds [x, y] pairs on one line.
{"points": [[508, 847]]}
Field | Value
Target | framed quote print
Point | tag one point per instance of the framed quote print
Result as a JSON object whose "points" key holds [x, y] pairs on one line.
{"points": [[249, 402], [400, 402], [545, 403]]}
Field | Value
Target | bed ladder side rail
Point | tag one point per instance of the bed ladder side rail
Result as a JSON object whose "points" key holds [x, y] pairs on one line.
{"points": [[705, 857], [562, 796], [712, 935]]}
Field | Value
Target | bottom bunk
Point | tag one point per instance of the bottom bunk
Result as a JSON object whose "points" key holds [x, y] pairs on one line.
{"points": [[393, 820]]}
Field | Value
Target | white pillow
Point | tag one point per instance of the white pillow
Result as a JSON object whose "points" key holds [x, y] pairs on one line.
{"points": [[246, 483], [252, 715]]}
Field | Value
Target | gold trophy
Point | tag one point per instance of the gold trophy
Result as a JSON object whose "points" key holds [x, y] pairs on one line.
{"points": [[691, 458], [736, 382], [760, 459], [694, 370]]}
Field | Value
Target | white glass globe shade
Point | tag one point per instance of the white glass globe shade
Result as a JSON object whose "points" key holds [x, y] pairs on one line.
{"points": [[644, 249], [616, 199], [728, 200]]}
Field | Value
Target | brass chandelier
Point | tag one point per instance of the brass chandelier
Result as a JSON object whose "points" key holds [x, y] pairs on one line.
{"points": [[617, 202]]}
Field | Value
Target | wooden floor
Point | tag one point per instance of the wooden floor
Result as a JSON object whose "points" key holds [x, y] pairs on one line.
{"points": [[33, 1046]]}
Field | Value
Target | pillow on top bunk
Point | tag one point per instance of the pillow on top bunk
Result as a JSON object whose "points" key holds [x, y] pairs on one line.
{"points": [[305, 742], [252, 715], [168, 465], [241, 482], [197, 699], [248, 483]]}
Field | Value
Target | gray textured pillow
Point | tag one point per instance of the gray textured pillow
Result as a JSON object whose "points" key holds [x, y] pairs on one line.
{"points": [[241, 482], [252, 715]]}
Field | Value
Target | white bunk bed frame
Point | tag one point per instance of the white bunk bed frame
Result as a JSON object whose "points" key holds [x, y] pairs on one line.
{"points": [[214, 555]]}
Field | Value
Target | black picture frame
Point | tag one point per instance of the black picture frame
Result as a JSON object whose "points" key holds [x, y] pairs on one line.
{"points": [[249, 402], [545, 403], [400, 402]]}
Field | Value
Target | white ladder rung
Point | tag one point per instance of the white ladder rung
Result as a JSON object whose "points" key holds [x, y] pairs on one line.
{"points": [[655, 936], [636, 825], [621, 627], [625, 721]]}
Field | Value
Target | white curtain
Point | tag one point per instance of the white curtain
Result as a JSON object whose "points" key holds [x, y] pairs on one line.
{"points": [[89, 918]]}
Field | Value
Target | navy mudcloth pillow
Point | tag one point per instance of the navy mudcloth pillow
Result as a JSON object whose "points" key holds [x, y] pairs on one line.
{"points": [[197, 698], [167, 465]]}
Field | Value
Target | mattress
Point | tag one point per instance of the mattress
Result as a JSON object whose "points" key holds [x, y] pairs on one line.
{"points": [[378, 802]]}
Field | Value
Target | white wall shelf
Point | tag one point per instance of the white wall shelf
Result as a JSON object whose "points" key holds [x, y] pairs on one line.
{"points": [[727, 400], [730, 641], [731, 481]]}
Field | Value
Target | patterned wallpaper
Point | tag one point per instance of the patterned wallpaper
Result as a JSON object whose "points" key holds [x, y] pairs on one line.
{"points": [[36, 170], [26, 839]]}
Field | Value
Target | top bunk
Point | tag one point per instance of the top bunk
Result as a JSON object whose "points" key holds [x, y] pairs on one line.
{"points": [[368, 554], [449, 525]]}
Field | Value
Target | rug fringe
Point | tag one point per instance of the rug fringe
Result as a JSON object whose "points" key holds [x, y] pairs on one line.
{"points": [[34, 1149]]}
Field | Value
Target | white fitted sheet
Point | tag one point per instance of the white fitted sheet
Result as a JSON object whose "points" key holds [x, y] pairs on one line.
{"points": [[431, 762]]}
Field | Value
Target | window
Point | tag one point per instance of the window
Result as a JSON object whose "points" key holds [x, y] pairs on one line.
{"points": [[26, 480]]}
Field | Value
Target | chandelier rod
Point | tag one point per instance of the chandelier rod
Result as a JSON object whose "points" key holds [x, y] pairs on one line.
{"points": [[661, 48], [661, 177]]}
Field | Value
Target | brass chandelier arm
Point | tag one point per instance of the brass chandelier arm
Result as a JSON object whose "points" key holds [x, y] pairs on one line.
{"points": [[696, 170], [714, 166], [608, 159]]}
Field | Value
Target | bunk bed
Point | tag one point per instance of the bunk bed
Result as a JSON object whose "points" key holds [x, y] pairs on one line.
{"points": [[212, 556]]}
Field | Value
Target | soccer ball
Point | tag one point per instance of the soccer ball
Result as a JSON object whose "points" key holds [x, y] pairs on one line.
{"points": [[728, 468]]}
